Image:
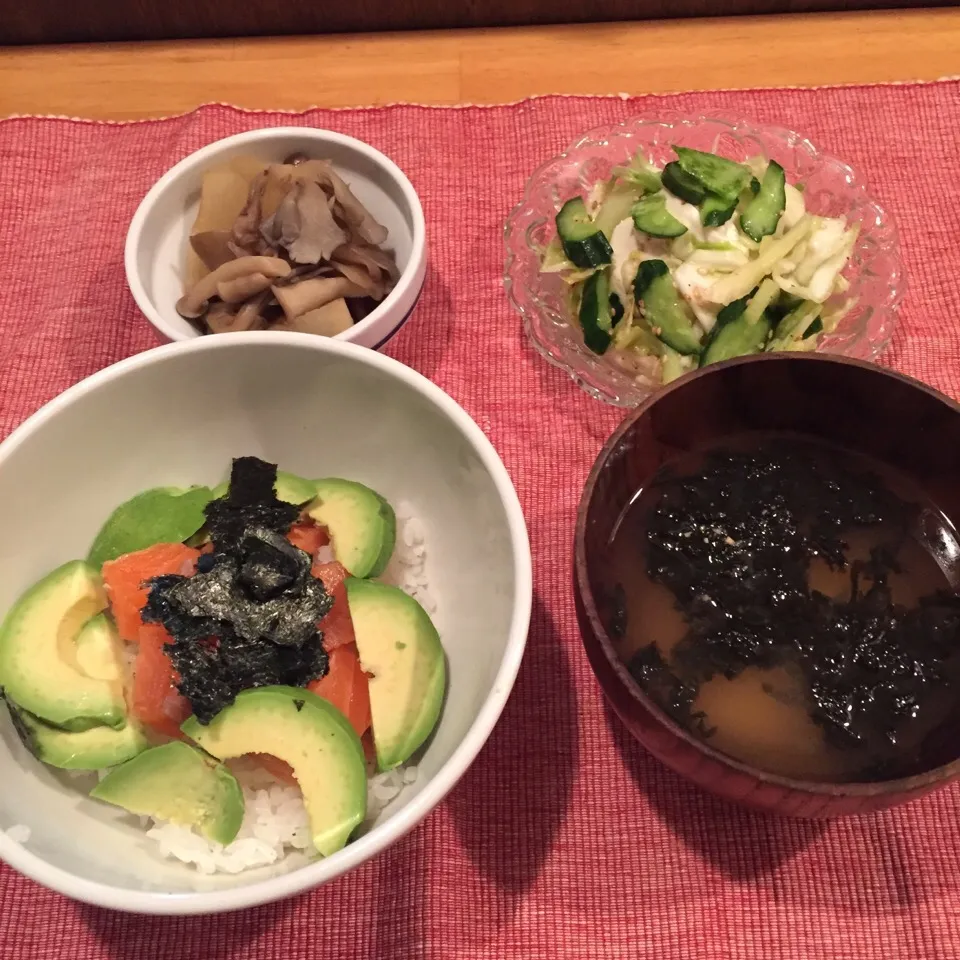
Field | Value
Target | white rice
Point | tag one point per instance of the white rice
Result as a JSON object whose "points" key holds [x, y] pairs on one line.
{"points": [[275, 825]]}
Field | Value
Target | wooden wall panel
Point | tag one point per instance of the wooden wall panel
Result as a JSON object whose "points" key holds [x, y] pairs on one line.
{"points": [[59, 21]]}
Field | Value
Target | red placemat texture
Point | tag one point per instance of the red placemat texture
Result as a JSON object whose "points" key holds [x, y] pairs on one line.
{"points": [[565, 840]]}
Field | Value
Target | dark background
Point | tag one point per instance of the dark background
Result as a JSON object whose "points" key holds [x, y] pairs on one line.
{"points": [[59, 21]]}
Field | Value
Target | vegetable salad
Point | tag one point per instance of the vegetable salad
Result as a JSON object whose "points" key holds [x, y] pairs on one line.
{"points": [[701, 261]]}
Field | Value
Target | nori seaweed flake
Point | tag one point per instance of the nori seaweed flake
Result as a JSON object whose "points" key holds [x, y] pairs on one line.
{"points": [[248, 617], [250, 502], [733, 542]]}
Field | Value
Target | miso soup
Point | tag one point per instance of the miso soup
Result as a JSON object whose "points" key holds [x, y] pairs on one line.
{"points": [[791, 604]]}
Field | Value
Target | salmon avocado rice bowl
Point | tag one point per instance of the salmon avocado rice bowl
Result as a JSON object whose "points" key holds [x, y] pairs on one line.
{"points": [[248, 669]]}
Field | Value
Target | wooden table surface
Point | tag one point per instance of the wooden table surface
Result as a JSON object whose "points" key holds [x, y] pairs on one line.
{"points": [[124, 81]]}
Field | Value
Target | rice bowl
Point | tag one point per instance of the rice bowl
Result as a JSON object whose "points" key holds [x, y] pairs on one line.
{"points": [[257, 397]]}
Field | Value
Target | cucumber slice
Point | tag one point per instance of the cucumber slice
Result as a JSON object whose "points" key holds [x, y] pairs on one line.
{"points": [[716, 211], [681, 184], [583, 242], [667, 313], [717, 175], [763, 213], [650, 216], [782, 305], [734, 335], [675, 364], [596, 320], [616, 309], [798, 321], [814, 328]]}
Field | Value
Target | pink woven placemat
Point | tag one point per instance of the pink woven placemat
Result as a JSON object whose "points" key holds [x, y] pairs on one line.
{"points": [[565, 840]]}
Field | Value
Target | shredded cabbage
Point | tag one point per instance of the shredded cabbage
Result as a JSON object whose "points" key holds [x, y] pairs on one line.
{"points": [[815, 276], [616, 207], [640, 172], [740, 283]]}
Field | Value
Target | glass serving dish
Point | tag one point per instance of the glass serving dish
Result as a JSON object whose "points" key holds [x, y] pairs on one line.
{"points": [[831, 188]]}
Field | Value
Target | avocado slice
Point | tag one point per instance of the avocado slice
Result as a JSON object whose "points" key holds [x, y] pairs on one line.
{"points": [[361, 524], [91, 749], [99, 649], [289, 488], [400, 649], [179, 783], [39, 669], [161, 515], [312, 736]]}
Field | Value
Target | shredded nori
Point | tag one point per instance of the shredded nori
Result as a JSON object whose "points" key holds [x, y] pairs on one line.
{"points": [[250, 502], [248, 617], [733, 542]]}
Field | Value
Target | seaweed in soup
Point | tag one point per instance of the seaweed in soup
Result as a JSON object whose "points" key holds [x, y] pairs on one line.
{"points": [[733, 540]]}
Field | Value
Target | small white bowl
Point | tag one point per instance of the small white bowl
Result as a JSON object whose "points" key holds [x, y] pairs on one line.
{"points": [[158, 237], [176, 415]]}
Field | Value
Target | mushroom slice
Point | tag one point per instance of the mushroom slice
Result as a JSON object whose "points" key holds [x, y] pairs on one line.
{"points": [[354, 212], [304, 225], [302, 297], [373, 258], [194, 302], [224, 318], [371, 285], [307, 271], [329, 320], [236, 291]]}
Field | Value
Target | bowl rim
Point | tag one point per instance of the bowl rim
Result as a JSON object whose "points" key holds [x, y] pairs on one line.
{"points": [[528, 305], [434, 790], [404, 293], [601, 639]]}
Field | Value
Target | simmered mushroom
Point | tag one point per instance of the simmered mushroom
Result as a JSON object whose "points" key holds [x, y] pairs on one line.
{"points": [[298, 251], [194, 302]]}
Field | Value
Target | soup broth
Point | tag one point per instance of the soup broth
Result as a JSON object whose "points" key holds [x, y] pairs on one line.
{"points": [[791, 604]]}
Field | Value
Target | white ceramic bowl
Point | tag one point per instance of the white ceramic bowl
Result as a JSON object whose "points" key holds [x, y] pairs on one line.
{"points": [[177, 415], [156, 246]]}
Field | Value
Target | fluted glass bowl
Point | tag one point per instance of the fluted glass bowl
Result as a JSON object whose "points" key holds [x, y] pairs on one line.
{"points": [[831, 188]]}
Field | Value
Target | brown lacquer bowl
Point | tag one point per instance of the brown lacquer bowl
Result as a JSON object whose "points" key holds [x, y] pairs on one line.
{"points": [[864, 408]]}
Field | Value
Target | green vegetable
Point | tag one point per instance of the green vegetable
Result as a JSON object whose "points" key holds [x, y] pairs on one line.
{"points": [[736, 284], [616, 309], [616, 207], [583, 242], [734, 335], [716, 211], [682, 185], [782, 305], [763, 213], [718, 246], [795, 325], [161, 515], [650, 216], [814, 328], [717, 175], [641, 173], [667, 313], [766, 293], [674, 364], [596, 320]]}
